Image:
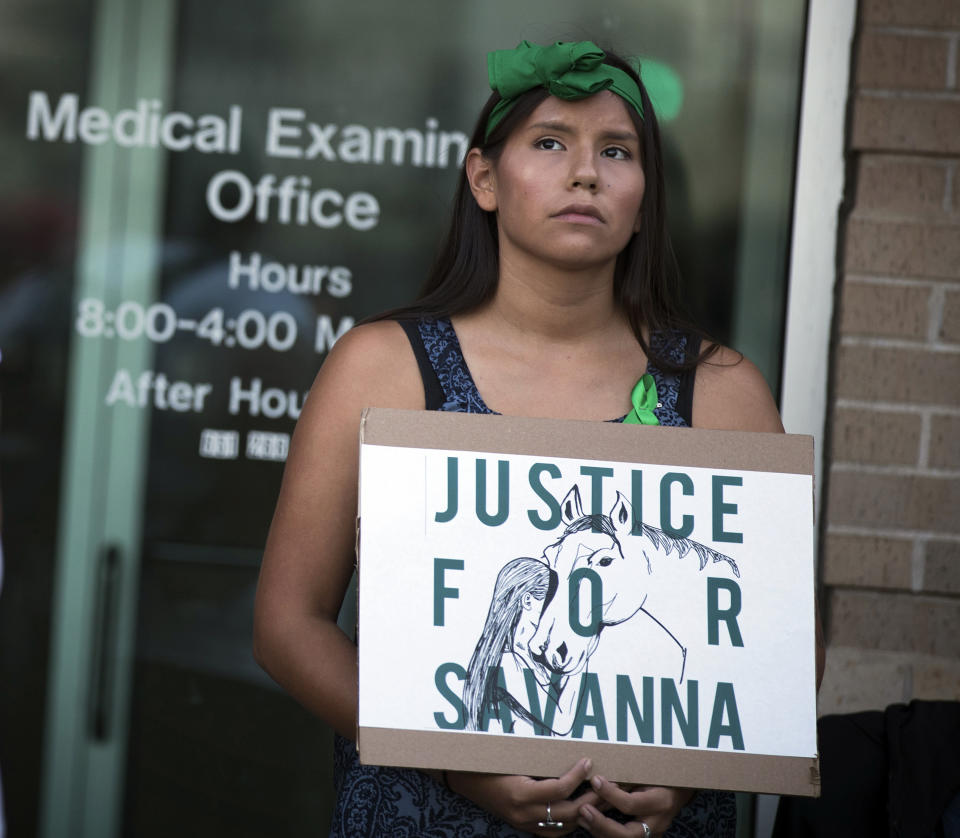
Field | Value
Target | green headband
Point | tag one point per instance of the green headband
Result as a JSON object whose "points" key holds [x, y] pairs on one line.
{"points": [[567, 70]]}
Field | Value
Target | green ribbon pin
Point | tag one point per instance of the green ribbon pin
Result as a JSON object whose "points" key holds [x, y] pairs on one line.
{"points": [[644, 400]]}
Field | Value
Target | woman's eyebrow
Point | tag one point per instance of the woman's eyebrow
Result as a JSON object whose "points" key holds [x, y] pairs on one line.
{"points": [[564, 128], [552, 125], [622, 136]]}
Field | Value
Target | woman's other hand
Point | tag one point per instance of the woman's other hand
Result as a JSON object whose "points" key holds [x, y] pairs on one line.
{"points": [[655, 806], [522, 801]]}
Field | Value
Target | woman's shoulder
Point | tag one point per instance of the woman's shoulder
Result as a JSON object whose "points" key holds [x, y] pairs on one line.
{"points": [[373, 363], [375, 337], [381, 344], [730, 393]]}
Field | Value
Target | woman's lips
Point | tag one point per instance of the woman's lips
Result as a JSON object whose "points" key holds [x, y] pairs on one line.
{"points": [[580, 214]]}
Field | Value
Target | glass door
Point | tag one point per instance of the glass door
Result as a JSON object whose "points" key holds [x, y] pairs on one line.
{"points": [[106, 449], [204, 198]]}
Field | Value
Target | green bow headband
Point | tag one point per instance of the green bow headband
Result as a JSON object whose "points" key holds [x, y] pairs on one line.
{"points": [[567, 70]]}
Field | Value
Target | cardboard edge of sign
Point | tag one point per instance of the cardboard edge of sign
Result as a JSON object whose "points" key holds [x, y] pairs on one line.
{"points": [[653, 444], [684, 767], [656, 445]]}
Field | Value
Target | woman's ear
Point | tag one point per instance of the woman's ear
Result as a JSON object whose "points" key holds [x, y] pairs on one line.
{"points": [[481, 177]]}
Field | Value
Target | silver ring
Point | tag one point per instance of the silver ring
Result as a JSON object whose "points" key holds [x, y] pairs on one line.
{"points": [[647, 832], [550, 823]]}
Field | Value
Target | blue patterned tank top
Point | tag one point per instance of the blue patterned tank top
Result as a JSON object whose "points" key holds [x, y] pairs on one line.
{"points": [[448, 384], [377, 801]]}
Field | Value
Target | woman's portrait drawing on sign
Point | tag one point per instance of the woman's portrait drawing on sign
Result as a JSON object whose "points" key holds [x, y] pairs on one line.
{"points": [[547, 615]]}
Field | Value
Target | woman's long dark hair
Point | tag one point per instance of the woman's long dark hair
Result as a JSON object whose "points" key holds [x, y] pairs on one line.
{"points": [[646, 276], [515, 579]]}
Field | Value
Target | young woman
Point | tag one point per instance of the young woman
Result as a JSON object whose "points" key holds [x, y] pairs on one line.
{"points": [[553, 296]]}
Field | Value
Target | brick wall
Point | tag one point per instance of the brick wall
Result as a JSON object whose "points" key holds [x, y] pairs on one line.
{"points": [[891, 548]]}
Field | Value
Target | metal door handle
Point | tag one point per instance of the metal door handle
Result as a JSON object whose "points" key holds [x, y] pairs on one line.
{"points": [[104, 643]]}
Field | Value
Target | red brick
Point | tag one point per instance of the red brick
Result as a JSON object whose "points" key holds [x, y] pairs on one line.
{"points": [[894, 185], [895, 622], [906, 123], [902, 248], [941, 571], [945, 442], [904, 376], [884, 310], [892, 502], [934, 13], [950, 323], [868, 561], [902, 62]]}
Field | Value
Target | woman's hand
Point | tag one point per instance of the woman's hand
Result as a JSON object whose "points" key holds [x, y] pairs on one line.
{"points": [[522, 801], [655, 806]]}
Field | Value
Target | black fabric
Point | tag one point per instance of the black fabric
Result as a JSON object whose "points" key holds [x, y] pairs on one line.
{"points": [[432, 391], [891, 772], [686, 381], [923, 750], [853, 775]]}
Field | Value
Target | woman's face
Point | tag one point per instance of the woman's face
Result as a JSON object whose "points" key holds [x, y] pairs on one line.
{"points": [[530, 608], [568, 186]]}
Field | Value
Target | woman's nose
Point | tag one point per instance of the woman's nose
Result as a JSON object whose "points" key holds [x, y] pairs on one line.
{"points": [[546, 639], [583, 173]]}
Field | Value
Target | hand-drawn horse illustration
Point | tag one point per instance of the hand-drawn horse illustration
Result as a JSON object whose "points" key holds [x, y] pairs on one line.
{"points": [[536, 625]]}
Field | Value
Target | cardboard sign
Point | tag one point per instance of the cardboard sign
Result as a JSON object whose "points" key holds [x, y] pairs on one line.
{"points": [[534, 591]]}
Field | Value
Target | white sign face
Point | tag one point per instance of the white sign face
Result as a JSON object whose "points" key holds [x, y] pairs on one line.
{"points": [[530, 596]]}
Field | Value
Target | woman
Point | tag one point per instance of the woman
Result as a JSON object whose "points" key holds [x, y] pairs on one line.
{"points": [[512, 619], [556, 285]]}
